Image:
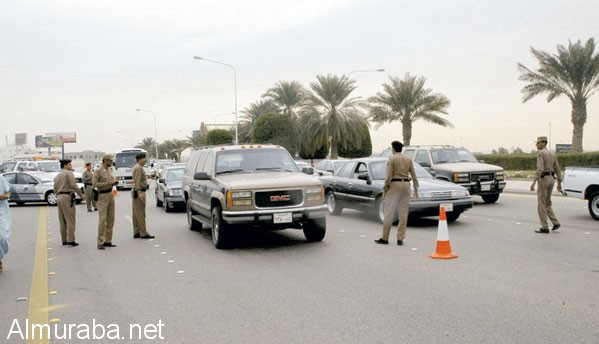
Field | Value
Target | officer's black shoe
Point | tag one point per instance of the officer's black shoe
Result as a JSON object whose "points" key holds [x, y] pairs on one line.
{"points": [[109, 244], [135, 236], [91, 211], [382, 241], [72, 243], [147, 236], [556, 227], [95, 209], [399, 242], [542, 230], [65, 243], [101, 247]]}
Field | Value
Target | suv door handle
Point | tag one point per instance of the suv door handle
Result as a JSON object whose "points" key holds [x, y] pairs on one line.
{"points": [[350, 184]]}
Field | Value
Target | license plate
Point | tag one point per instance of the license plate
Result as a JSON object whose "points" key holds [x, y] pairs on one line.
{"points": [[448, 206], [485, 187], [282, 218]]}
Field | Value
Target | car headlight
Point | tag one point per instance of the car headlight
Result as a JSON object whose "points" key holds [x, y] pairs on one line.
{"points": [[460, 193], [239, 198], [499, 175], [461, 177], [423, 194], [315, 193]]}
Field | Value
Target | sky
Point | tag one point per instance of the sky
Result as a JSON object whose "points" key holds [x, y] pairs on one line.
{"points": [[86, 66]]}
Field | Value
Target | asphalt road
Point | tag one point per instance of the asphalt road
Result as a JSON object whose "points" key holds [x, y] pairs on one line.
{"points": [[509, 285]]}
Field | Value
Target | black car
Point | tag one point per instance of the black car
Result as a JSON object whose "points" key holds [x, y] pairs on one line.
{"points": [[168, 188], [358, 184]]}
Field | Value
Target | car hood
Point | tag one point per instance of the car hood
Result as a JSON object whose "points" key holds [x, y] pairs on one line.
{"points": [[268, 180], [174, 185], [467, 167]]}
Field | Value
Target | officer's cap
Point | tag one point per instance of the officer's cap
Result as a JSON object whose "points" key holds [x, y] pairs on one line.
{"points": [[541, 139], [88, 164], [63, 162], [107, 157], [140, 156]]}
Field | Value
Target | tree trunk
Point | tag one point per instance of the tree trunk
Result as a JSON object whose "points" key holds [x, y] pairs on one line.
{"points": [[406, 131], [579, 118], [334, 148]]}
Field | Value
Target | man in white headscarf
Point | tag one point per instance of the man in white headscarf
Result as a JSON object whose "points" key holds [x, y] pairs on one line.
{"points": [[5, 219]]}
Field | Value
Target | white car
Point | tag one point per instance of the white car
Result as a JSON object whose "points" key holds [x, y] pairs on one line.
{"points": [[33, 186]]}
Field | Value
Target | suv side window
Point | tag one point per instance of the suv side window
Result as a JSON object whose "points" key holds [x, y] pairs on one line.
{"points": [[209, 164], [409, 153], [360, 169], [348, 170], [191, 163], [201, 162], [422, 158]]}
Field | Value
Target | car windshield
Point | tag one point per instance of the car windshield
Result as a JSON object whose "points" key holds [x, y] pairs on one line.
{"points": [[174, 174], [254, 160], [451, 155], [126, 159], [48, 166], [378, 170]]}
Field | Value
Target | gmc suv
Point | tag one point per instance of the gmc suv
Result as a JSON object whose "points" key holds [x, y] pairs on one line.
{"points": [[228, 188], [458, 165]]}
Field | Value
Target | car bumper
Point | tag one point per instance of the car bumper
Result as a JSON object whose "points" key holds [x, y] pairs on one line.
{"points": [[485, 188], [174, 201], [431, 208], [272, 216]]}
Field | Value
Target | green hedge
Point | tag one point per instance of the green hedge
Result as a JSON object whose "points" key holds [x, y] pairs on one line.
{"points": [[517, 162]]}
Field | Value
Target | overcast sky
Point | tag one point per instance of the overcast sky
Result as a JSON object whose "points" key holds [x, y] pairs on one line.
{"points": [[85, 66]]}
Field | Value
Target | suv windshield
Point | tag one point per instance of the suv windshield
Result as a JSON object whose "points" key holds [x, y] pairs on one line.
{"points": [[48, 166], [254, 160], [451, 155]]}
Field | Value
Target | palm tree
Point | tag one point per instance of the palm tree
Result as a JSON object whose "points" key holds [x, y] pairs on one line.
{"points": [[251, 114], [147, 144], [407, 101], [573, 72], [287, 95], [333, 116], [173, 148]]}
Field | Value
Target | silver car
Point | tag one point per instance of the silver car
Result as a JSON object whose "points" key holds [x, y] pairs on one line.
{"points": [[168, 188], [33, 186]]}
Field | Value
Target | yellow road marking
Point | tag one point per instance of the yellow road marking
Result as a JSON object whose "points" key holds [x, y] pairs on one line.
{"points": [[38, 296]]}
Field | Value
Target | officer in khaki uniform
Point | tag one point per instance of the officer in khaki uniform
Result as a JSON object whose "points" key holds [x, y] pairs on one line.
{"points": [[396, 192], [88, 182], [103, 182], [65, 188], [548, 171], [138, 195]]}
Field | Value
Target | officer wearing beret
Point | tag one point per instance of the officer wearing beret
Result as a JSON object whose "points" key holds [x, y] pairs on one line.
{"points": [[396, 192], [103, 182], [65, 188], [88, 182], [548, 171], [138, 195]]}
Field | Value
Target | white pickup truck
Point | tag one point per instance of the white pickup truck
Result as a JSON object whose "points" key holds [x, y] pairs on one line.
{"points": [[583, 182]]}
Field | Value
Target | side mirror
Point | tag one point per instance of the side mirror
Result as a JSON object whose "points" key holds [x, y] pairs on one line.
{"points": [[364, 176], [201, 176], [308, 170], [331, 171], [161, 180]]}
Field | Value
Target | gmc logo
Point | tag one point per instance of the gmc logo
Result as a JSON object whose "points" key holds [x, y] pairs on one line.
{"points": [[280, 198]]}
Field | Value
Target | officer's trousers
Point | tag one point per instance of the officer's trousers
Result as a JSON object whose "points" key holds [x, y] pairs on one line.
{"points": [[89, 199], [397, 199], [66, 218], [544, 201], [105, 217], [139, 215]]}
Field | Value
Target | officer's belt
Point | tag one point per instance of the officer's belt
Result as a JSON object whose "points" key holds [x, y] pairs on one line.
{"points": [[105, 191], [400, 179], [64, 193], [548, 174]]}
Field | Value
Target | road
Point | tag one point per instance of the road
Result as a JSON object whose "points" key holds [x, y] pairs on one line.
{"points": [[509, 285]]}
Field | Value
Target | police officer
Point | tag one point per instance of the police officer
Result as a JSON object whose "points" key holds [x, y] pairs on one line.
{"points": [[65, 188], [103, 181], [138, 195], [396, 192], [548, 171], [88, 182]]}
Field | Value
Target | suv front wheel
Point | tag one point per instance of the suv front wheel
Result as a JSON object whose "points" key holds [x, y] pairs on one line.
{"points": [[315, 229], [220, 229], [490, 198]]}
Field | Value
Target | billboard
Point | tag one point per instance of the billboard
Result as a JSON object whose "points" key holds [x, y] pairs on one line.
{"points": [[66, 137], [21, 139], [47, 141], [563, 148]]}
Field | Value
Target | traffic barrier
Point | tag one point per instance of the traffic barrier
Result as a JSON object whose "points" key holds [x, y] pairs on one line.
{"points": [[443, 250]]}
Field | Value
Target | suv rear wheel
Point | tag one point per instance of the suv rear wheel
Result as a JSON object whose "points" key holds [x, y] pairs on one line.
{"points": [[594, 205], [191, 223], [220, 229], [315, 229], [490, 198]]}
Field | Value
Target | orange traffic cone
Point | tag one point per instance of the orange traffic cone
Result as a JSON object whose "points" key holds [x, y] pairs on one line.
{"points": [[443, 250]]}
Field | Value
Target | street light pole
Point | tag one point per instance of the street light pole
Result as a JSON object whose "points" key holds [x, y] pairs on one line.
{"points": [[235, 85], [155, 130]]}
